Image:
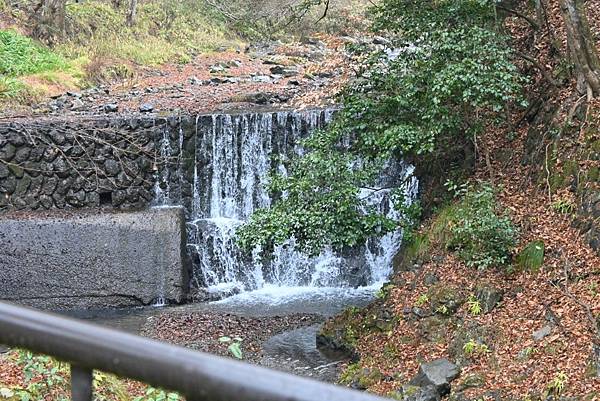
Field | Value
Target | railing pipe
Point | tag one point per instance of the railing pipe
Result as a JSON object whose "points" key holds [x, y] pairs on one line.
{"points": [[198, 376]]}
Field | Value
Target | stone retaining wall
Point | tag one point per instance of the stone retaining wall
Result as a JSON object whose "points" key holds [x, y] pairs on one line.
{"points": [[84, 163]]}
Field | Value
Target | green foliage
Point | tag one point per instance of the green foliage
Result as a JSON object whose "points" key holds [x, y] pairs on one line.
{"points": [[422, 300], [482, 237], [473, 348], [321, 206], [42, 376], [20, 55], [473, 305], [47, 378], [235, 346], [563, 206], [153, 394], [442, 310], [456, 73], [558, 383], [531, 257], [384, 291], [348, 375]]}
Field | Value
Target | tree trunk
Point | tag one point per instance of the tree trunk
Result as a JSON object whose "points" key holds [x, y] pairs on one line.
{"points": [[51, 19], [132, 14], [581, 47]]}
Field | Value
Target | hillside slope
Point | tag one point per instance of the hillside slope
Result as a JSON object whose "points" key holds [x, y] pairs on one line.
{"points": [[530, 331]]}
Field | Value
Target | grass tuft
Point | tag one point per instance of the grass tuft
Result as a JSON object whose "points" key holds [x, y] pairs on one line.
{"points": [[20, 55]]}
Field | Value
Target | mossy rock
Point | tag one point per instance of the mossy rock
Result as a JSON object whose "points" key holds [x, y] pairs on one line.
{"points": [[531, 258], [488, 297], [414, 252], [435, 328], [340, 334], [474, 380], [360, 378], [445, 299], [336, 335], [380, 319], [469, 332]]}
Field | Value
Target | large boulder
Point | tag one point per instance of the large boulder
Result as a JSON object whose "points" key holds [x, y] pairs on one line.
{"points": [[438, 373]]}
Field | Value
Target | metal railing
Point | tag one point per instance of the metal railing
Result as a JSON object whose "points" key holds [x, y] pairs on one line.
{"points": [[198, 376]]}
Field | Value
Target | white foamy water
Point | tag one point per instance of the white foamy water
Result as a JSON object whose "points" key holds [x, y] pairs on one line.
{"points": [[232, 158]]}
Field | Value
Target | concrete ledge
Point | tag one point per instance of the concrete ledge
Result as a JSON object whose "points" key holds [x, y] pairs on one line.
{"points": [[93, 259]]}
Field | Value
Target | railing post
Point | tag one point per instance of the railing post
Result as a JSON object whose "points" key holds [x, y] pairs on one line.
{"points": [[81, 383]]}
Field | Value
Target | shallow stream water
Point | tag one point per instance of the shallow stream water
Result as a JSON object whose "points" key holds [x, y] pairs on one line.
{"points": [[292, 351]]}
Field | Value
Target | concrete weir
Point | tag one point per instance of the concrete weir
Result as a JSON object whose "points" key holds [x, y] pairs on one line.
{"points": [[93, 259]]}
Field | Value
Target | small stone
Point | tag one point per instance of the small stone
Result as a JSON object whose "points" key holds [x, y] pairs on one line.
{"points": [[216, 69], [7, 152], [22, 155], [118, 197], [111, 167], [380, 40], [473, 380], [284, 71], [77, 104], [76, 199], [146, 108], [430, 279], [8, 185], [17, 170], [49, 186], [46, 201], [4, 172], [262, 79], [540, 334], [58, 137], [489, 297], [111, 108]]}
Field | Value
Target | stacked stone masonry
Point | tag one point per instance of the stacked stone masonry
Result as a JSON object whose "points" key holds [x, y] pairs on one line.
{"points": [[94, 162]]}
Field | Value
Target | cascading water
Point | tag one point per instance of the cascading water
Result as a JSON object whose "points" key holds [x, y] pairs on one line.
{"points": [[223, 165]]}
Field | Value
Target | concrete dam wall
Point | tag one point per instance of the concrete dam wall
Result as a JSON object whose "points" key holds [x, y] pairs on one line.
{"points": [[73, 260]]}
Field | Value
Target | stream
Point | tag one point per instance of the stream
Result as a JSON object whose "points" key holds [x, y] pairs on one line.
{"points": [[292, 351]]}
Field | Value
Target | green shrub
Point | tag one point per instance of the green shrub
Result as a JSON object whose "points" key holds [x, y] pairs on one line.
{"points": [[10, 88], [20, 55], [531, 257], [481, 236]]}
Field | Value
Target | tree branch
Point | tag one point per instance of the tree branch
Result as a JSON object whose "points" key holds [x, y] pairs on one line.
{"points": [[531, 22], [536, 64]]}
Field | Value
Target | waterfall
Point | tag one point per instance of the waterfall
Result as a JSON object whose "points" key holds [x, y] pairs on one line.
{"points": [[223, 166]]}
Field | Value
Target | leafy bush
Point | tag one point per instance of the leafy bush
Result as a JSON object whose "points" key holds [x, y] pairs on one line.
{"points": [[20, 55], [45, 378], [482, 237], [447, 70], [531, 257]]}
